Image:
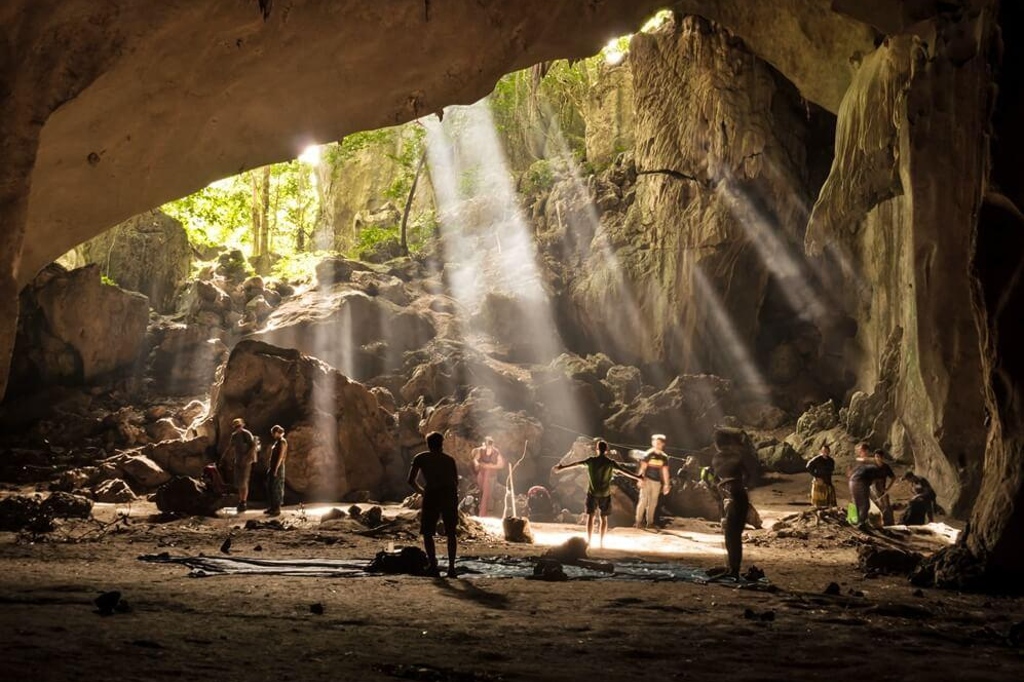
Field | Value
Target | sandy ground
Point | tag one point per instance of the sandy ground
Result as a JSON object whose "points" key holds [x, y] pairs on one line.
{"points": [[478, 628]]}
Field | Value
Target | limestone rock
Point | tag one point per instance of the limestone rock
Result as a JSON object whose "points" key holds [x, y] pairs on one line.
{"points": [[781, 458], [189, 496], [114, 490], [164, 429], [148, 253], [817, 419], [75, 329], [144, 472], [66, 506], [680, 411], [339, 437], [362, 336]]}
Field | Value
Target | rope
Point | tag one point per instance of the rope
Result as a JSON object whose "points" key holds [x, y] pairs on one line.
{"points": [[627, 446]]}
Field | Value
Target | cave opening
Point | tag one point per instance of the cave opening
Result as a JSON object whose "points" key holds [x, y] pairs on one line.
{"points": [[745, 232]]}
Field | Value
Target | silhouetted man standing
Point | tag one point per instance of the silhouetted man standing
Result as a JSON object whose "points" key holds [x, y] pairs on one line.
{"points": [[440, 497]]}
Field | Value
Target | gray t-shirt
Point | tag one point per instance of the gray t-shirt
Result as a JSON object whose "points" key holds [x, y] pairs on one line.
{"points": [[242, 441]]}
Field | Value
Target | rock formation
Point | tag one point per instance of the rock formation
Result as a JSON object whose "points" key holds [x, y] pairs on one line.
{"points": [[339, 437], [76, 329]]}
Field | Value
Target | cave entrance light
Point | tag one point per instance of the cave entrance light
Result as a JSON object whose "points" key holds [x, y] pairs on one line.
{"points": [[488, 244]]}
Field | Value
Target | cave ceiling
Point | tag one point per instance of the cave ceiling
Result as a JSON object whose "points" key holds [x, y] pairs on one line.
{"points": [[177, 95]]}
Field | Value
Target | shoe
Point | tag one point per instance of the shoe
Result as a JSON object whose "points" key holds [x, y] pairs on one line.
{"points": [[452, 573], [268, 511], [273, 512], [241, 507]]}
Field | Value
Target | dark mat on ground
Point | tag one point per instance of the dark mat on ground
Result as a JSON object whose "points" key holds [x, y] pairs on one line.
{"points": [[468, 567]]}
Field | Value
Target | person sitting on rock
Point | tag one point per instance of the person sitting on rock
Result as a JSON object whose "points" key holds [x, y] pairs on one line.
{"points": [[440, 493], [242, 445], [487, 462], [600, 471], [821, 467], [276, 471], [922, 507], [654, 481]]}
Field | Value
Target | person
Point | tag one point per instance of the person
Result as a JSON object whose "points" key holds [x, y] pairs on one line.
{"points": [[242, 445], [732, 470], [600, 471], [276, 471], [922, 506], [863, 473], [653, 481], [487, 462], [440, 492], [821, 467], [880, 488]]}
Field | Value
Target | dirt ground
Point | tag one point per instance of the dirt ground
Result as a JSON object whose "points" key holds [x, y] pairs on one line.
{"points": [[479, 627]]}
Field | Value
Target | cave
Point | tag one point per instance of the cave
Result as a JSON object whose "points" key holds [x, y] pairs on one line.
{"points": [[745, 227]]}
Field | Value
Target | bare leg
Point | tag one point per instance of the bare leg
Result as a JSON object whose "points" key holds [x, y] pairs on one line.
{"points": [[431, 550], [590, 527], [604, 528]]}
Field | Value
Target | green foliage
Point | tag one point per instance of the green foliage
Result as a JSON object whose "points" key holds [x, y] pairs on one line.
{"points": [[299, 267], [217, 215], [539, 178], [108, 281]]}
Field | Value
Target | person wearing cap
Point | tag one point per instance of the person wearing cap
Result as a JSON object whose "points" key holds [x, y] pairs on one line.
{"points": [[242, 445], [276, 471], [821, 467], [487, 462], [654, 481]]}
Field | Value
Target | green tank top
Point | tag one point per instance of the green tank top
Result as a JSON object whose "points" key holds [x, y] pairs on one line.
{"points": [[600, 470]]}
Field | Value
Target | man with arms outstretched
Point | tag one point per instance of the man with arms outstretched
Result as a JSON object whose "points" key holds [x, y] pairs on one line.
{"points": [[600, 470]]}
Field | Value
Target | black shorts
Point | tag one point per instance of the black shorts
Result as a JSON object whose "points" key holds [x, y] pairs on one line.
{"points": [[602, 503], [443, 507]]}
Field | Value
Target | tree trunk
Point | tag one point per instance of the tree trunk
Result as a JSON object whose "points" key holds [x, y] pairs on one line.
{"points": [[408, 203], [264, 261]]}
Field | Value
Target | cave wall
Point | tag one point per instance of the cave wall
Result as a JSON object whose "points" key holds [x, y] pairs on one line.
{"points": [[720, 199], [901, 203]]}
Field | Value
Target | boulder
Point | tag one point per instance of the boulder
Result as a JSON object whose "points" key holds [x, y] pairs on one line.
{"points": [[361, 335], [781, 458], [188, 496], [335, 269], [694, 500], [184, 358], [179, 457], [144, 472], [624, 382], [683, 411], [149, 253], [339, 437], [114, 490], [816, 419], [466, 424], [63, 505], [75, 329], [164, 429], [192, 411]]}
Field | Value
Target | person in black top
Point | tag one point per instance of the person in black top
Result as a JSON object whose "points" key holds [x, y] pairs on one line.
{"points": [[654, 481], [921, 508], [880, 488], [863, 474], [731, 469], [440, 497], [276, 471], [821, 467]]}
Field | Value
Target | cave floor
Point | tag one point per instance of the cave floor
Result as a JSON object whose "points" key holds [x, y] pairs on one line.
{"points": [[247, 627]]}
